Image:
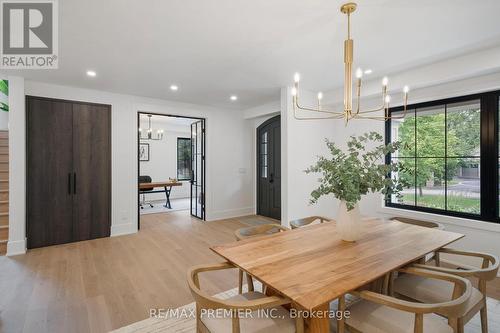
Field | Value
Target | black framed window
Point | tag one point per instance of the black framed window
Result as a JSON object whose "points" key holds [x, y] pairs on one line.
{"points": [[183, 158], [450, 154]]}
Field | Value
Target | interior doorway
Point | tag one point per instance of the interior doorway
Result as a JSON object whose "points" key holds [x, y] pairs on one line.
{"points": [[269, 168], [171, 165]]}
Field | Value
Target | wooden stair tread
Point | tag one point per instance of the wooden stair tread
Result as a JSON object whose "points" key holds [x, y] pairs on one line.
{"points": [[4, 227], [4, 214], [4, 201], [4, 191]]}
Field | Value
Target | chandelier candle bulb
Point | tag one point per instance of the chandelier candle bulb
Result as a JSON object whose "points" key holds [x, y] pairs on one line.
{"points": [[359, 73], [385, 81], [294, 91], [296, 77]]}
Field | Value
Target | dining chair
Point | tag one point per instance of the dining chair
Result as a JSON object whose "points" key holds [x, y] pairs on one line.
{"points": [[421, 223], [377, 313], [434, 291], [247, 304], [254, 231], [307, 221], [425, 224]]}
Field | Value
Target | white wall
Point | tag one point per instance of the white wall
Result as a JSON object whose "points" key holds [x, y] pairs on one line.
{"points": [[162, 163], [17, 167], [228, 180], [302, 142]]}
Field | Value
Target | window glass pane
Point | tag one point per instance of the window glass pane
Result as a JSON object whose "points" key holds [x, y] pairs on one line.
{"points": [[403, 130], [407, 196], [183, 158], [463, 185], [430, 132], [430, 182], [445, 163], [463, 129], [263, 160]]}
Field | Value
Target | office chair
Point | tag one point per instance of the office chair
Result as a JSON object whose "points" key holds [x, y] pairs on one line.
{"points": [[143, 191]]}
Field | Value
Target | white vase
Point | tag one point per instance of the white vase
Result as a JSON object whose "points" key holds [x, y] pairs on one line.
{"points": [[348, 223]]}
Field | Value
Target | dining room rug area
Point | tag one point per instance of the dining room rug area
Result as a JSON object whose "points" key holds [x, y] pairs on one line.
{"points": [[187, 324]]}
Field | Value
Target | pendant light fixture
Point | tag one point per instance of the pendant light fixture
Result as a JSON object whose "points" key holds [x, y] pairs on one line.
{"points": [[149, 135], [350, 111]]}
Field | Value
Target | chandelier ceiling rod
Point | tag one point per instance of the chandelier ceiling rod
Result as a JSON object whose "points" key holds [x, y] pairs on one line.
{"points": [[349, 112]]}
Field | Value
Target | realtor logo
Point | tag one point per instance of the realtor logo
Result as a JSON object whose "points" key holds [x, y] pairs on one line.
{"points": [[29, 34]]}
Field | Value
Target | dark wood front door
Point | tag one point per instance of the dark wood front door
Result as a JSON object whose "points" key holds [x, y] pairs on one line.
{"points": [[269, 168], [68, 171]]}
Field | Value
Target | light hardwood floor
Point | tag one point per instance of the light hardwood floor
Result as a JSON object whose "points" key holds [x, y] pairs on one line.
{"points": [[99, 285]]}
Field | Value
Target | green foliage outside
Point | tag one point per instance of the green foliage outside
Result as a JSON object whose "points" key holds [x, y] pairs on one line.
{"points": [[360, 170], [462, 139], [455, 203], [184, 155], [4, 89]]}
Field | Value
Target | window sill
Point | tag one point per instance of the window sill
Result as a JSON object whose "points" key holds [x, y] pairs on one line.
{"points": [[450, 220]]}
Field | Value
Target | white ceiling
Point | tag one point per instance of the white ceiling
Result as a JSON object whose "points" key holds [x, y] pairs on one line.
{"points": [[215, 48]]}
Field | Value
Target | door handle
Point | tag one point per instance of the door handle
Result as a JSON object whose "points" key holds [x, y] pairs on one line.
{"points": [[74, 183], [69, 183]]}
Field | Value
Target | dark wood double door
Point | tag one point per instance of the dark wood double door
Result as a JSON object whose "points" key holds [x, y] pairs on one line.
{"points": [[269, 168], [68, 171]]}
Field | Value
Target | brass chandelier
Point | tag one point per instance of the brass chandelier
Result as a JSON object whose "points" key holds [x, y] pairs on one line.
{"points": [[349, 112]]}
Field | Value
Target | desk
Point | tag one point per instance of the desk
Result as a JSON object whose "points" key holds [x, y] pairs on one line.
{"points": [[167, 185], [313, 266]]}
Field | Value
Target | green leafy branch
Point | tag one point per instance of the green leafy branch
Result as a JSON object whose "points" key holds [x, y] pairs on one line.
{"points": [[4, 89], [352, 174]]}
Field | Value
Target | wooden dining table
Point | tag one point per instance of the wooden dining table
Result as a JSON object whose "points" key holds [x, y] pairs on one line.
{"points": [[312, 266]]}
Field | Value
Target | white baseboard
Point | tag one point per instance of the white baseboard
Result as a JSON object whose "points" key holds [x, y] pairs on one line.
{"points": [[15, 248], [123, 229], [230, 213]]}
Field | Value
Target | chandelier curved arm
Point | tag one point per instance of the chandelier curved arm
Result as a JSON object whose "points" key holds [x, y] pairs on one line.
{"points": [[314, 118], [384, 102], [386, 117], [297, 105]]}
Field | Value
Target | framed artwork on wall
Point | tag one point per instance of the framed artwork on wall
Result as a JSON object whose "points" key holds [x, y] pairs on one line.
{"points": [[144, 152]]}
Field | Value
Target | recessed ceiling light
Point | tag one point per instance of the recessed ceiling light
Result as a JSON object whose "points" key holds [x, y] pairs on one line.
{"points": [[174, 87], [368, 71], [91, 73], [234, 98]]}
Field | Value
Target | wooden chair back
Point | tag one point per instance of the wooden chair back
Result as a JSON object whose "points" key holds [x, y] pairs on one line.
{"points": [[487, 272], [258, 230], [426, 224], [451, 309], [295, 224], [205, 301]]}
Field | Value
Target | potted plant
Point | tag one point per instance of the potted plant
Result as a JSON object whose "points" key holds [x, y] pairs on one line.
{"points": [[350, 175]]}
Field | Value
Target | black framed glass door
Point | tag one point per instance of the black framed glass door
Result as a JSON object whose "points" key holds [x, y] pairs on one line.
{"points": [[198, 169]]}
